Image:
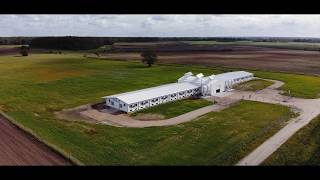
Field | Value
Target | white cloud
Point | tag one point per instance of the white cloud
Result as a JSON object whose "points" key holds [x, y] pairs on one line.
{"points": [[160, 25]]}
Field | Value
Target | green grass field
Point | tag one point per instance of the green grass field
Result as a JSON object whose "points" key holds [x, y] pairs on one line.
{"points": [[176, 108], [34, 87], [299, 85], [253, 85], [303, 148]]}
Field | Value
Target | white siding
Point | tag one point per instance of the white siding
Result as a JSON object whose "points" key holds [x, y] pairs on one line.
{"points": [[133, 107], [187, 86], [144, 104], [164, 99]]}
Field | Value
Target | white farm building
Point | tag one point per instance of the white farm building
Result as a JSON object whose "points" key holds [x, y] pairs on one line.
{"points": [[188, 85]]}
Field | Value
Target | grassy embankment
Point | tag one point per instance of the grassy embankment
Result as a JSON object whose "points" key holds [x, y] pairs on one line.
{"points": [[34, 87]]}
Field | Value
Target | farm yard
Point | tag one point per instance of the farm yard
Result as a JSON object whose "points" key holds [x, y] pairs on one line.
{"points": [[35, 87]]}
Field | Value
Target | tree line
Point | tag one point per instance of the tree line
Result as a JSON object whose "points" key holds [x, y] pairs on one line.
{"points": [[86, 43], [15, 40]]}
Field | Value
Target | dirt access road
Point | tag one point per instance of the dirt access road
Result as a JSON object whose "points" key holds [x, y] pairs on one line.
{"points": [[19, 148], [124, 120]]}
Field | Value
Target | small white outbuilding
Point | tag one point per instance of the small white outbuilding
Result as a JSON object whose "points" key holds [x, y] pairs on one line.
{"points": [[188, 85]]}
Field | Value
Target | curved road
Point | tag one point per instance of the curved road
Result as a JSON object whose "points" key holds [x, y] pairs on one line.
{"points": [[123, 120], [308, 109], [19, 148]]}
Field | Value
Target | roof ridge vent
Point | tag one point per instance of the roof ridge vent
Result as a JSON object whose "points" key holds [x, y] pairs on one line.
{"points": [[200, 75], [188, 74], [212, 76]]}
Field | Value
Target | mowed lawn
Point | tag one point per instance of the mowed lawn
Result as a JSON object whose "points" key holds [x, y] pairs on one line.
{"points": [[303, 148], [253, 85], [34, 87], [299, 85], [176, 108]]}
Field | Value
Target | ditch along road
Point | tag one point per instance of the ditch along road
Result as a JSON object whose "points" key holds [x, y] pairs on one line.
{"points": [[308, 110], [18, 148]]}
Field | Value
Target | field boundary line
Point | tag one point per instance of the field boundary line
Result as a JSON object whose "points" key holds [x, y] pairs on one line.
{"points": [[51, 146]]}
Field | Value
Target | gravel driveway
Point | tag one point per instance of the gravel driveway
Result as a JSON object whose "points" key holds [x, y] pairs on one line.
{"points": [[308, 109]]}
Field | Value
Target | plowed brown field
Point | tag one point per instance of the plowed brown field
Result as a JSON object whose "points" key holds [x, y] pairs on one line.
{"points": [[20, 148], [296, 61]]}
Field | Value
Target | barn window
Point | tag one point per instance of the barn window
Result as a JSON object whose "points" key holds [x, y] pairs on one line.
{"points": [[133, 105], [164, 97], [144, 102]]}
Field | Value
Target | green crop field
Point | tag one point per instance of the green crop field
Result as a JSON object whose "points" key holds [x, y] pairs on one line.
{"points": [[303, 148], [34, 87], [176, 108], [253, 85]]}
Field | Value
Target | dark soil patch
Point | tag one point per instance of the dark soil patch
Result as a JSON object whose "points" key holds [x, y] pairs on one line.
{"points": [[19, 148], [271, 59], [9, 51]]}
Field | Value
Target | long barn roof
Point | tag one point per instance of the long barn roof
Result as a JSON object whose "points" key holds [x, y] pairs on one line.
{"points": [[231, 75], [154, 92]]}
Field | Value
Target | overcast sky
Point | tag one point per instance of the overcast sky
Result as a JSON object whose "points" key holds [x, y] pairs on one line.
{"points": [[161, 25]]}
